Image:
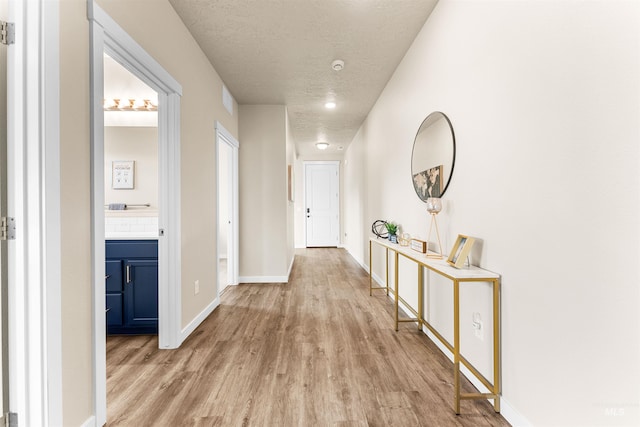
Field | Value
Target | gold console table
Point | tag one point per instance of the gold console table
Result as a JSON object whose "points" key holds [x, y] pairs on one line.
{"points": [[457, 276]]}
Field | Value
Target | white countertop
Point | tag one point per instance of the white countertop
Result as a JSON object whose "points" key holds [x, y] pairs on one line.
{"points": [[142, 235]]}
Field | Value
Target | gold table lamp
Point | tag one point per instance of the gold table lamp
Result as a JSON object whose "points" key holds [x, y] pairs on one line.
{"points": [[434, 205]]}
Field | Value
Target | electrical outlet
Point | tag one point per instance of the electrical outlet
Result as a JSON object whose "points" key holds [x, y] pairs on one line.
{"points": [[476, 322], [479, 331], [196, 287]]}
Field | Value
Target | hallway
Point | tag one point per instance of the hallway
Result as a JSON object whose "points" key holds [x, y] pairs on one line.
{"points": [[318, 351]]}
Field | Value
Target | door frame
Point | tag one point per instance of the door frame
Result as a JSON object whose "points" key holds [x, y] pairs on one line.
{"points": [[233, 267], [306, 163], [33, 199], [107, 36]]}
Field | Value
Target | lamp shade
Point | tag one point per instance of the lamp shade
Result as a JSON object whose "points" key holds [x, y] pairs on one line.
{"points": [[434, 205]]}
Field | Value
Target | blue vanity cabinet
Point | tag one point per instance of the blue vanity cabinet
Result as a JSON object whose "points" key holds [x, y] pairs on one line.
{"points": [[113, 286], [141, 293], [132, 286]]}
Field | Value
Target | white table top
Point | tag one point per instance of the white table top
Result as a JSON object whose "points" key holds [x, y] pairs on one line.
{"points": [[439, 265]]}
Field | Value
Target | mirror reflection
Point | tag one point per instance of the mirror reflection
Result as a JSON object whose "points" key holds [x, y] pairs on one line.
{"points": [[434, 152]]}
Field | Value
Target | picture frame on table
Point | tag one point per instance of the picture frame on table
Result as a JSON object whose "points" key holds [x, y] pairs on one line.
{"points": [[460, 251]]}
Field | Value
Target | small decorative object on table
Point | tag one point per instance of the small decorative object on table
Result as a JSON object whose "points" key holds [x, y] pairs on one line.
{"points": [[379, 229], [405, 239], [392, 228], [419, 245], [460, 250], [434, 205]]}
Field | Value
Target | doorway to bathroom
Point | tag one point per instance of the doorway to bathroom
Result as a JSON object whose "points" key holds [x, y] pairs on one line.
{"points": [[131, 202], [107, 37], [227, 190]]}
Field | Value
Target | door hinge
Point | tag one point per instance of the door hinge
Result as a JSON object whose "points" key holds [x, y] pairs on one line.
{"points": [[7, 32], [10, 419], [7, 228]]}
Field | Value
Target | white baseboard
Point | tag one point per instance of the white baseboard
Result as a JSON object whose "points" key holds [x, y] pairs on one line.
{"points": [[263, 279], [290, 267], [91, 422], [515, 418], [184, 334], [359, 261], [509, 412]]}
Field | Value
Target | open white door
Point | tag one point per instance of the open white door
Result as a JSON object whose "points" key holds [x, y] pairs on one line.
{"points": [[228, 215], [31, 277], [322, 210], [4, 353]]}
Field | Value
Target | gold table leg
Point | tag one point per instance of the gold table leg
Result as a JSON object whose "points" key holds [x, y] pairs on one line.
{"points": [[386, 271], [395, 276], [456, 345], [370, 271], [496, 345], [420, 295]]}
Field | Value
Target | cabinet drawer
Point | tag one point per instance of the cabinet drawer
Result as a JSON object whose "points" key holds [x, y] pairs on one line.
{"points": [[114, 309], [113, 275], [131, 249]]}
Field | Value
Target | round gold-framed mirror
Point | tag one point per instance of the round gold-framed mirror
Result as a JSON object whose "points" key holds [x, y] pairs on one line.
{"points": [[433, 156]]}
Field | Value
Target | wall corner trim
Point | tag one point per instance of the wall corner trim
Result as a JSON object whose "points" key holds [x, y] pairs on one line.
{"points": [[293, 260], [91, 422], [188, 330]]}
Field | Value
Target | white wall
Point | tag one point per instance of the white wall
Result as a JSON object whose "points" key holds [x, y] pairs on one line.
{"points": [[543, 98], [290, 159], [139, 144], [265, 252]]}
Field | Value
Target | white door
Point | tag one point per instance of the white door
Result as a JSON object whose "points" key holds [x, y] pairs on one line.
{"points": [[228, 216], [4, 379], [322, 210]]}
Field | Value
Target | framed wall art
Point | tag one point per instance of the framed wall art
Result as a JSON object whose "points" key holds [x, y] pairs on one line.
{"points": [[460, 250], [122, 174]]}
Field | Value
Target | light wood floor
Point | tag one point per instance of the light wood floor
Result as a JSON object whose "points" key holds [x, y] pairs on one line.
{"points": [[318, 351]]}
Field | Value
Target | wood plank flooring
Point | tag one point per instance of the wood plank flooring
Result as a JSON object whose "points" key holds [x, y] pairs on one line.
{"points": [[318, 351]]}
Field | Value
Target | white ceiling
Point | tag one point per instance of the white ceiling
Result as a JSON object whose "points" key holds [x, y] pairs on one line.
{"points": [[280, 52]]}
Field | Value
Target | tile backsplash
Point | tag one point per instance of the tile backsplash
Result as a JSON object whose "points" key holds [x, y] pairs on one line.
{"points": [[130, 224]]}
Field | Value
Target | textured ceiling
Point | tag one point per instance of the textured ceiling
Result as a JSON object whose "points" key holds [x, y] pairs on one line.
{"points": [[280, 52]]}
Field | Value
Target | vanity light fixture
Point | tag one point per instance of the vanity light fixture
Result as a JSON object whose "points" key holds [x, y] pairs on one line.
{"points": [[131, 104], [434, 206], [330, 105], [322, 145]]}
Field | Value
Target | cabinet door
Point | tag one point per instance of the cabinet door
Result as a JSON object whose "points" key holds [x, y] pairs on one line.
{"points": [[113, 275], [114, 310], [141, 292]]}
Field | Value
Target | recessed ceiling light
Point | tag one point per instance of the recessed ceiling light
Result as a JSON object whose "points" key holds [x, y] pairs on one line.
{"points": [[340, 148], [330, 105], [337, 65], [322, 145]]}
